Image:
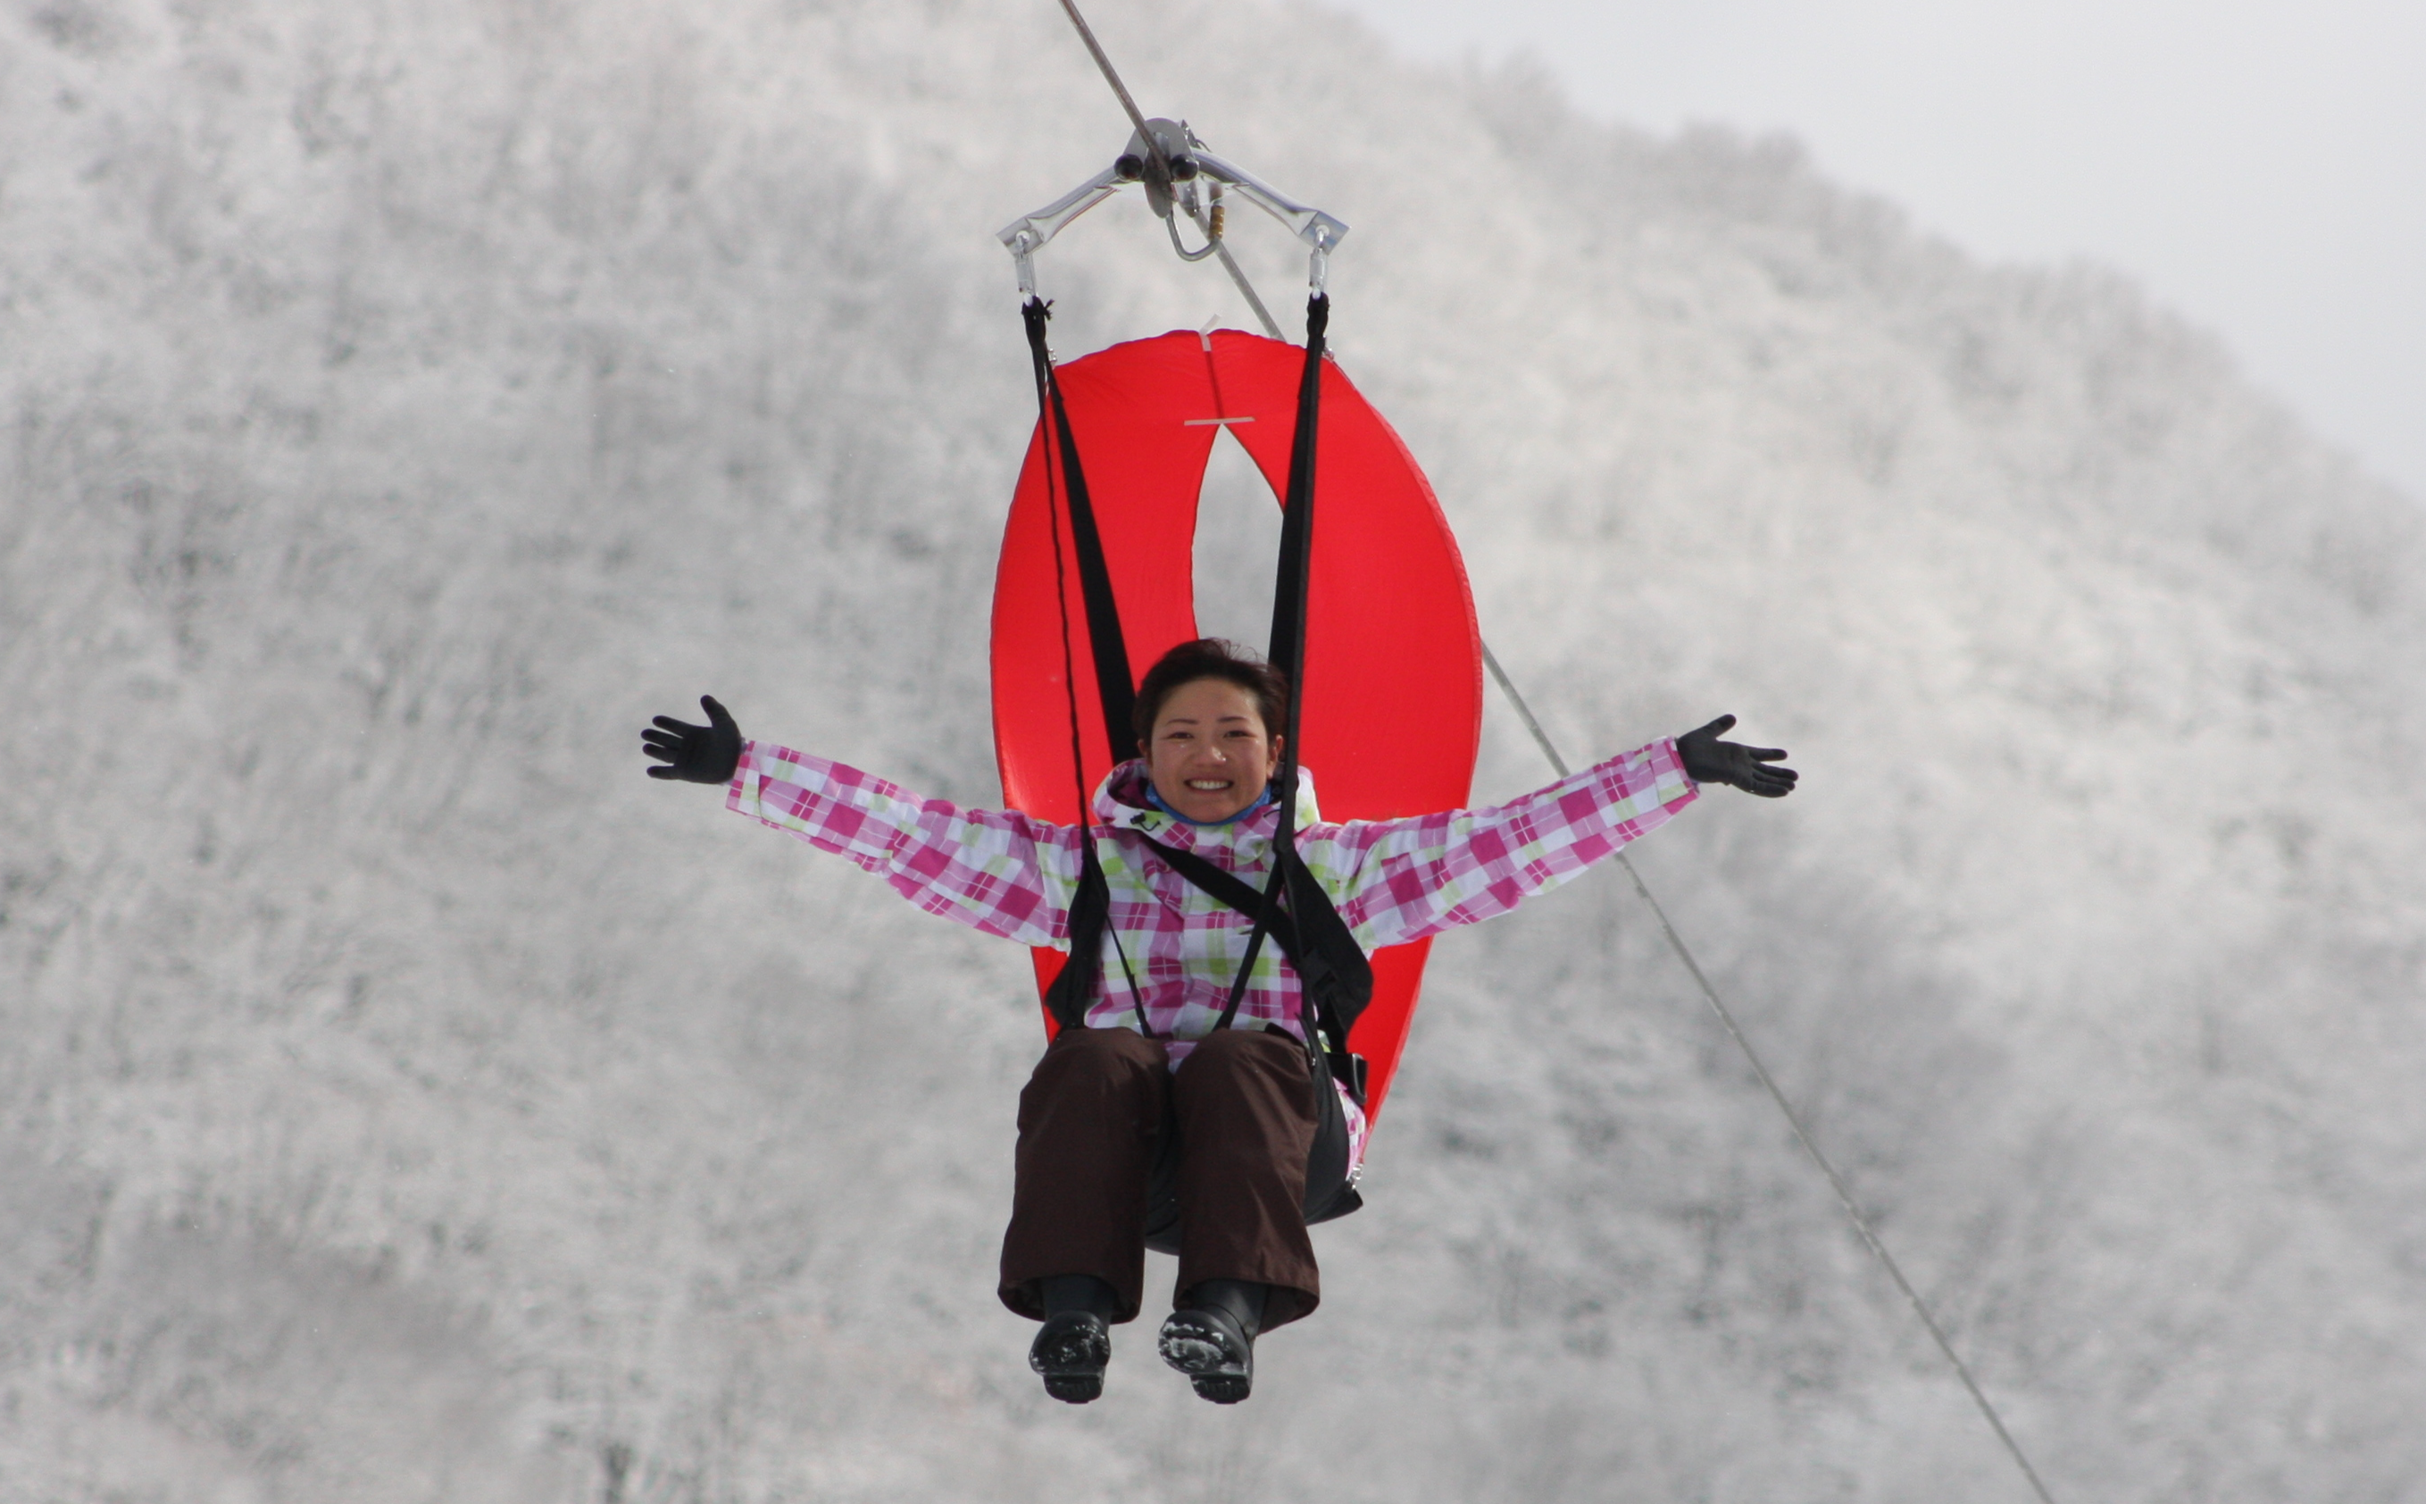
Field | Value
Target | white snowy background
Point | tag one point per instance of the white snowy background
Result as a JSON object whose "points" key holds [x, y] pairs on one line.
{"points": [[407, 1100]]}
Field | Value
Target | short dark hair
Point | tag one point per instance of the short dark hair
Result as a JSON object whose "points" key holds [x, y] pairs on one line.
{"points": [[1211, 658]]}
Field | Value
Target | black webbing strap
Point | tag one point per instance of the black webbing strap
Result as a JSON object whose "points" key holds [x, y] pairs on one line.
{"points": [[1229, 887], [1113, 684], [1246, 898], [1335, 980], [1074, 988]]}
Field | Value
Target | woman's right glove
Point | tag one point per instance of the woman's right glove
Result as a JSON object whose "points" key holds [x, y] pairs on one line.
{"points": [[1709, 760], [695, 754]]}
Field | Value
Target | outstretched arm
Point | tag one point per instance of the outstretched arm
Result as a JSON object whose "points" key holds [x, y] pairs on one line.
{"points": [[998, 871], [1400, 880]]}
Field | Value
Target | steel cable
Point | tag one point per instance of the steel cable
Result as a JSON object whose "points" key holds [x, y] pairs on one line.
{"points": [[1836, 1182]]}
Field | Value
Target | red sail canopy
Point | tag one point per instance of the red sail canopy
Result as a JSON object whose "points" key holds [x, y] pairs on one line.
{"points": [[1392, 700]]}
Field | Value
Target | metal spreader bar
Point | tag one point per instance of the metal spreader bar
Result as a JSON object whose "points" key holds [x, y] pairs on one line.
{"points": [[1179, 176]]}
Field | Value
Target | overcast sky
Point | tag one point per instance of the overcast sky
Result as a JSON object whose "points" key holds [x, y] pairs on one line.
{"points": [[2259, 165]]}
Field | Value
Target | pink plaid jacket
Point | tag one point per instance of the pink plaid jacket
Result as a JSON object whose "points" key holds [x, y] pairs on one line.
{"points": [[1170, 949]]}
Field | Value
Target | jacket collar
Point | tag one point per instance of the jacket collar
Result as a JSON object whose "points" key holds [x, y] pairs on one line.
{"points": [[1120, 802]]}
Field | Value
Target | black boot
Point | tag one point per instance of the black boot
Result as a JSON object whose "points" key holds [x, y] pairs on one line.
{"points": [[1076, 1342], [1212, 1340]]}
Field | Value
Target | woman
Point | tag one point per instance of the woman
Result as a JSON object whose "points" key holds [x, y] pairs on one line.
{"points": [[1150, 1074]]}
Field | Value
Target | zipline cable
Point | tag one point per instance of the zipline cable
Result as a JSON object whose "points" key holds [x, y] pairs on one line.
{"points": [[1263, 314], [1137, 117], [1844, 1196], [1676, 942], [1086, 34]]}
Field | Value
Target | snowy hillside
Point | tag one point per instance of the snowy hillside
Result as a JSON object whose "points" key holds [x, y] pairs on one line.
{"points": [[406, 1100]]}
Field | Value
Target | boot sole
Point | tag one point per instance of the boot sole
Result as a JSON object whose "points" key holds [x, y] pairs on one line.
{"points": [[1071, 1360], [1220, 1369]]}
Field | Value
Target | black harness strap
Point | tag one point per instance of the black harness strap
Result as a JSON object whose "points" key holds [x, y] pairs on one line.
{"points": [[1229, 887], [1244, 897], [1335, 978], [1113, 682], [1074, 988]]}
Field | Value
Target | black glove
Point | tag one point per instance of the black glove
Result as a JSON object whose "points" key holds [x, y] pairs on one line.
{"points": [[1709, 760], [695, 754]]}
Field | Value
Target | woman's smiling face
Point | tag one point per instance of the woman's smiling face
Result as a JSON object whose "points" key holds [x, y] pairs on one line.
{"points": [[1210, 755]]}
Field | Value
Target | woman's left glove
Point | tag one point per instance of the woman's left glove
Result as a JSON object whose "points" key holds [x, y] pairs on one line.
{"points": [[1709, 760], [695, 754]]}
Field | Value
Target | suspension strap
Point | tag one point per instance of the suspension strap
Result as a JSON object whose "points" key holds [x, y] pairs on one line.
{"points": [[1335, 980], [1113, 681], [1074, 988]]}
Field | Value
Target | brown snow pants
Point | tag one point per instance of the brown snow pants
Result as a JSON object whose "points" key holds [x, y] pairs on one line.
{"points": [[1092, 1120]]}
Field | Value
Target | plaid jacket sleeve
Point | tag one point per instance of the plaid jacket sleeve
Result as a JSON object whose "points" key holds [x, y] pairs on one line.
{"points": [[994, 870], [1400, 880]]}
